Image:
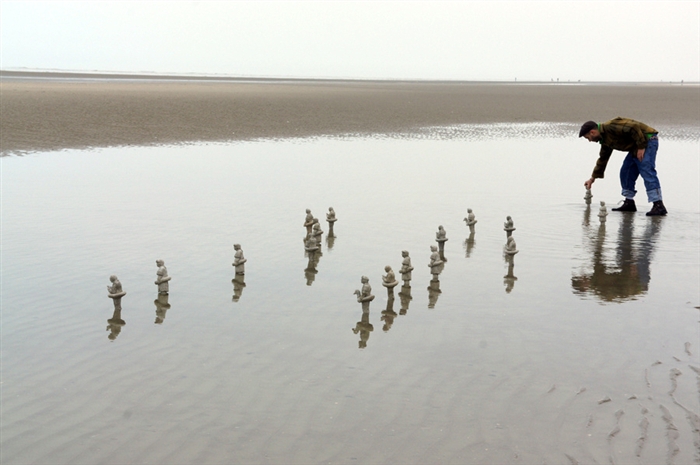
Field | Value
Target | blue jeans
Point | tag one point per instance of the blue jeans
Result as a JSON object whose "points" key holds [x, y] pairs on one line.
{"points": [[632, 168]]}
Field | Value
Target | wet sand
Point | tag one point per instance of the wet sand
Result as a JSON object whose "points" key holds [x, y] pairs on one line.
{"points": [[41, 114]]}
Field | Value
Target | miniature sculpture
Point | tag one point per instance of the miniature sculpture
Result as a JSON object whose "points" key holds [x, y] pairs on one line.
{"points": [[511, 248], [238, 285], [508, 227], [309, 221], [588, 197], [365, 295], [364, 327], [311, 243], [330, 217], [115, 292], [115, 324], [239, 260], [316, 230], [435, 264], [389, 281], [470, 219], [162, 307], [406, 267], [441, 238], [603, 213], [162, 278]]}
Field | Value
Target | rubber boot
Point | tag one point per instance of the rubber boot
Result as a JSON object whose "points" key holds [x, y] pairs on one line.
{"points": [[658, 209], [627, 206]]}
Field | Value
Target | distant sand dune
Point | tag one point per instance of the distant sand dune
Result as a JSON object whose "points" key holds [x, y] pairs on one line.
{"points": [[52, 114]]}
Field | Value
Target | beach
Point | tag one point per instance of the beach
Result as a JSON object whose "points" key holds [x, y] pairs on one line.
{"points": [[40, 113]]}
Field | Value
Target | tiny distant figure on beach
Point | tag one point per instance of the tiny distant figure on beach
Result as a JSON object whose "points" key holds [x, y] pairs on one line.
{"points": [[641, 143]]}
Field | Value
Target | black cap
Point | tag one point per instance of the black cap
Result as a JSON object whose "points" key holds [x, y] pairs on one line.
{"points": [[586, 128]]}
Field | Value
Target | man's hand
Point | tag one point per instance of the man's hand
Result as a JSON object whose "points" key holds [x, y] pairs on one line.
{"points": [[590, 182], [640, 154]]}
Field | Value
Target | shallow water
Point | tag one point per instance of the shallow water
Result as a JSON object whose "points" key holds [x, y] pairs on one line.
{"points": [[285, 369]]}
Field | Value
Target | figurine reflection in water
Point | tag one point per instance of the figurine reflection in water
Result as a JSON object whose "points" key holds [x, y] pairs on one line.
{"points": [[627, 275], [162, 307], [308, 221], [364, 295], [406, 267], [405, 296], [238, 285], [603, 212], [509, 279], [311, 271], [389, 314], [389, 281], [330, 217], [363, 327], [162, 278], [115, 324], [469, 244], [433, 293]]}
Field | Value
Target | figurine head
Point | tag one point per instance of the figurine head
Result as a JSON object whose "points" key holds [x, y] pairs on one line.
{"points": [[113, 278], [387, 268], [160, 262], [237, 246], [364, 279], [404, 253], [602, 204], [308, 211], [469, 210], [508, 218], [330, 209], [440, 228], [433, 248]]}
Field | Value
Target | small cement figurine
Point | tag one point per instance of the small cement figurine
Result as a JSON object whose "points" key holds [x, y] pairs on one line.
{"points": [[316, 230], [239, 260], [435, 262], [588, 197], [389, 280], [330, 217], [115, 292], [508, 227], [162, 278], [365, 295], [309, 221], [311, 244], [511, 248], [603, 213], [470, 220], [406, 267], [441, 238]]}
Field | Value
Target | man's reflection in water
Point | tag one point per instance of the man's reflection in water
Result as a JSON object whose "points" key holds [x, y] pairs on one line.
{"points": [[405, 296], [469, 244], [509, 279], [162, 307], [389, 314], [238, 285], [114, 324], [364, 327], [433, 292], [628, 275], [310, 271]]}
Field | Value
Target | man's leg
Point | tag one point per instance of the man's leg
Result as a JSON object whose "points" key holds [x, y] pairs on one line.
{"points": [[629, 172], [647, 169]]}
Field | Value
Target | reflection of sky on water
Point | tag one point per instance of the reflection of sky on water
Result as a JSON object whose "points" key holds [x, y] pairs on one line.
{"points": [[72, 219]]}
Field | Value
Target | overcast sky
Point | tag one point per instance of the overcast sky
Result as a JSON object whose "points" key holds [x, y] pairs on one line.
{"points": [[590, 41]]}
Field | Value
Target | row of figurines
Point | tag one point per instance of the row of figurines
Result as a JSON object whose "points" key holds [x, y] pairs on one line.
{"points": [[115, 291]]}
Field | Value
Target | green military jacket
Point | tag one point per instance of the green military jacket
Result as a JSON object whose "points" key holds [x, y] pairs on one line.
{"points": [[620, 134]]}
